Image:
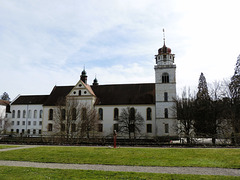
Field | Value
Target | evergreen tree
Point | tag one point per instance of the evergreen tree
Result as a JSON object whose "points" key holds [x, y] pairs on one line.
{"points": [[5, 96], [234, 87], [205, 124]]}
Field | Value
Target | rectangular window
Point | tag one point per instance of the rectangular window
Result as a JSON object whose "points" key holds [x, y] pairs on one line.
{"points": [[73, 127], [115, 127], [18, 123], [166, 128], [23, 123], [29, 123], [149, 128], [165, 96], [100, 128], [40, 123], [12, 123], [34, 123], [49, 127], [34, 131], [39, 131], [62, 127], [131, 128], [28, 131]]}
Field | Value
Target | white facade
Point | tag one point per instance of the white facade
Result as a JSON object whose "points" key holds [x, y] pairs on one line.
{"points": [[26, 120], [109, 120], [34, 118]]}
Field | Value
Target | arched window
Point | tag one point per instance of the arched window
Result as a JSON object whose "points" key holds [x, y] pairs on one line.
{"points": [[40, 113], [132, 114], [74, 114], [50, 114], [165, 96], [63, 114], [84, 113], [100, 114], [116, 113], [24, 114], [166, 112], [165, 78], [29, 113], [35, 114], [149, 114], [18, 114], [13, 114]]}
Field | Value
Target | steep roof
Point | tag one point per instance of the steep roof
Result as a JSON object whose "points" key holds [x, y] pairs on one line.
{"points": [[58, 93], [30, 99], [123, 94]]}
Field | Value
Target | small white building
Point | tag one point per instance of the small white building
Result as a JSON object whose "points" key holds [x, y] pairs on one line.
{"points": [[34, 115]]}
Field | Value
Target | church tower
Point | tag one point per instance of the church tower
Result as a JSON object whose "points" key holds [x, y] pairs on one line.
{"points": [[165, 89]]}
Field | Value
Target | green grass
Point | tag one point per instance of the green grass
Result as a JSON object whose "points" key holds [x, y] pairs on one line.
{"points": [[9, 173], [222, 158], [6, 146]]}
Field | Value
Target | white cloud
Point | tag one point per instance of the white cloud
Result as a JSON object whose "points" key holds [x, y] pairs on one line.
{"points": [[44, 43]]}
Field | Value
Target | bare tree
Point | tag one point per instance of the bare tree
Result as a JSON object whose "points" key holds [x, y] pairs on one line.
{"points": [[87, 126], [234, 87], [221, 107], [184, 109], [130, 122], [73, 119], [4, 124]]}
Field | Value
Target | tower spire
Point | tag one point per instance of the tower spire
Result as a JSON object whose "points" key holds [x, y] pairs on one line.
{"points": [[163, 36]]}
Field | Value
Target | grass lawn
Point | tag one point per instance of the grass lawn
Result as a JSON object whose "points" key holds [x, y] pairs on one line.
{"points": [[9, 173], [6, 146], [224, 158]]}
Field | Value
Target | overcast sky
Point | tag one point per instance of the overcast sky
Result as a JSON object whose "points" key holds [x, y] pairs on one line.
{"points": [[46, 43]]}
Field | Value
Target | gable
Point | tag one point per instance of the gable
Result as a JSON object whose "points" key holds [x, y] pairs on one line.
{"points": [[81, 89]]}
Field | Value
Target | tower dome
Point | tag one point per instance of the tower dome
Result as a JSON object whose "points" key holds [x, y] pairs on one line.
{"points": [[164, 50], [83, 76], [95, 82], [84, 72]]}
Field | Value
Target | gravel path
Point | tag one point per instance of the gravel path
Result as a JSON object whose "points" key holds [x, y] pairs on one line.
{"points": [[15, 148], [149, 169]]}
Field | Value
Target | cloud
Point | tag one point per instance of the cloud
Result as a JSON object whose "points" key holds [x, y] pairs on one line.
{"points": [[46, 43]]}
